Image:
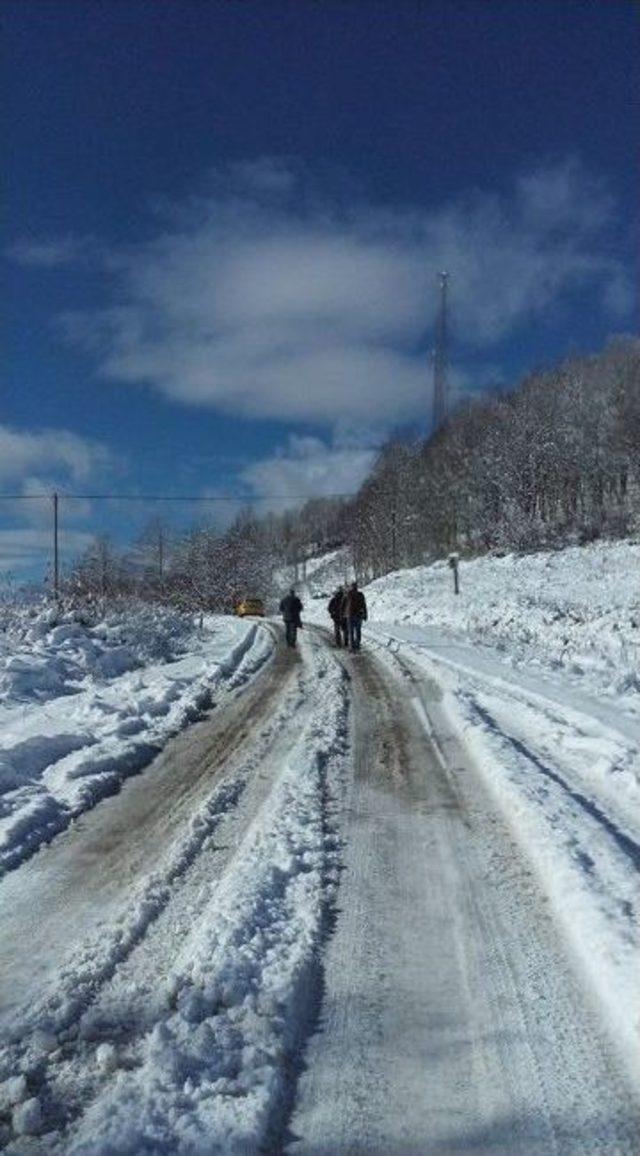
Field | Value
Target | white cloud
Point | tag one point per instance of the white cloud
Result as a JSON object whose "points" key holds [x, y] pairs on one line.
{"points": [[34, 464], [55, 455], [267, 298], [53, 254], [306, 468], [564, 196], [29, 551]]}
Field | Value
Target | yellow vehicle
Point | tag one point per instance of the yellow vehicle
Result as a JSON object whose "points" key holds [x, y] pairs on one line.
{"points": [[249, 606]]}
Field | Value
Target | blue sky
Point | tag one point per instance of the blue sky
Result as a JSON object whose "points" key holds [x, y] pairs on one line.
{"points": [[224, 223]]}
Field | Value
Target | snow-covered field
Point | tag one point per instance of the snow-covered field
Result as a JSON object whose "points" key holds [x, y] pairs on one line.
{"points": [[576, 611], [87, 699]]}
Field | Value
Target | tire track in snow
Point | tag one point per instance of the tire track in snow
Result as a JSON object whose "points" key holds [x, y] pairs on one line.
{"points": [[65, 1092], [571, 768], [535, 688], [625, 843], [452, 1020], [582, 851], [113, 845], [583, 717], [41, 819], [586, 864]]}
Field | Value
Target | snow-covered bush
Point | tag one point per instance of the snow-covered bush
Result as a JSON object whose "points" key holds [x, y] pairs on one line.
{"points": [[46, 651]]}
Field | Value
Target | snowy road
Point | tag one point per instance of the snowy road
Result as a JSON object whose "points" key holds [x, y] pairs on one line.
{"points": [[564, 769], [451, 1021], [308, 927], [91, 873]]}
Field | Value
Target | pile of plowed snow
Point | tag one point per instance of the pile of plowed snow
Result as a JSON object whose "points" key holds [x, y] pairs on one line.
{"points": [[87, 698], [44, 653]]}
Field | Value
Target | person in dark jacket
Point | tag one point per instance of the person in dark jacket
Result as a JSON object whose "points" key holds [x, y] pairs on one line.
{"points": [[339, 620], [291, 609], [354, 609]]}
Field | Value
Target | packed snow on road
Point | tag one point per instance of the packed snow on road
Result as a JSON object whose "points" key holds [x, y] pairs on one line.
{"points": [[268, 900], [538, 660]]}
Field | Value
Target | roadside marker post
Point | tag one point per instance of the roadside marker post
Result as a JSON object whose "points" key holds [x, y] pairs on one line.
{"points": [[454, 561]]}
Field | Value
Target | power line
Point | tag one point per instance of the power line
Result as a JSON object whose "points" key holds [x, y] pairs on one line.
{"points": [[175, 498], [56, 498]]}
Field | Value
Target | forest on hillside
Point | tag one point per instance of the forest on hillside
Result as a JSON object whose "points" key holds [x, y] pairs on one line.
{"points": [[554, 462]]}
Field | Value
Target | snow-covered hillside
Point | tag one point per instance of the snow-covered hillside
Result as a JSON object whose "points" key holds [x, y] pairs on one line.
{"points": [[87, 699], [575, 610]]}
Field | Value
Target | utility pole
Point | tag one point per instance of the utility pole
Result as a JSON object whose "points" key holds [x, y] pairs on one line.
{"points": [[160, 554], [440, 391], [56, 563]]}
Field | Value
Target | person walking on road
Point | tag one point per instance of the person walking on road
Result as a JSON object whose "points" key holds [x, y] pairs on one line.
{"points": [[354, 609], [291, 609], [336, 603]]}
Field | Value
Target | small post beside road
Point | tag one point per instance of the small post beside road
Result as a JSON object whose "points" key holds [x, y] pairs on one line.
{"points": [[454, 560], [56, 557]]}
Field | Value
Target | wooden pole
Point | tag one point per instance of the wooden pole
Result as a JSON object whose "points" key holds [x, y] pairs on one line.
{"points": [[56, 557], [453, 563]]}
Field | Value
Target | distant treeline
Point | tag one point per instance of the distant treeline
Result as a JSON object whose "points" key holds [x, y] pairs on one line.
{"points": [[555, 462]]}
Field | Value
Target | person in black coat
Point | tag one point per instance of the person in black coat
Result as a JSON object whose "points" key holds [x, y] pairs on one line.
{"points": [[354, 609], [339, 621], [291, 609]]}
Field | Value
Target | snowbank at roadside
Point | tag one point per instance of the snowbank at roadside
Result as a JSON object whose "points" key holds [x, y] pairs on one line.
{"points": [[577, 610], [45, 653], [549, 781], [87, 699]]}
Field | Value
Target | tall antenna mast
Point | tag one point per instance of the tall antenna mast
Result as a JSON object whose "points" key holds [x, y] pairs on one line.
{"points": [[440, 391]]}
